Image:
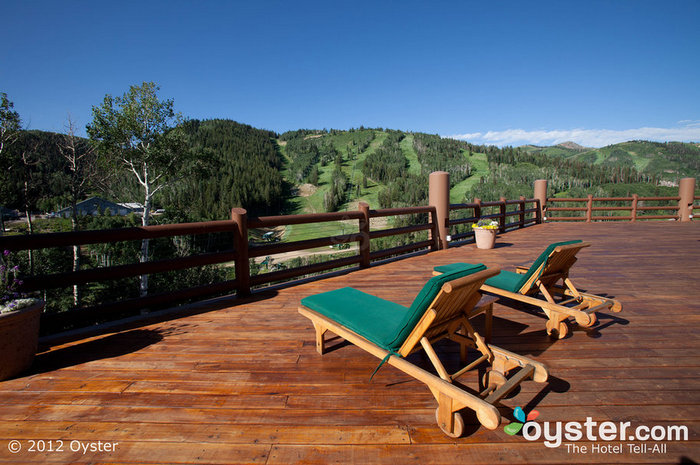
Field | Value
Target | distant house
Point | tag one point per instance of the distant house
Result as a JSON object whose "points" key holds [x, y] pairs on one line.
{"points": [[97, 206], [133, 207]]}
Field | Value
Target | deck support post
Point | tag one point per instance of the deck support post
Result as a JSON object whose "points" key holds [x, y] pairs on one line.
{"points": [[240, 217], [541, 195], [439, 197], [686, 191]]}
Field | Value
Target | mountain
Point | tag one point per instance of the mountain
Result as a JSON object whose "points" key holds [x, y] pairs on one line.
{"points": [[311, 171], [572, 146], [663, 161]]}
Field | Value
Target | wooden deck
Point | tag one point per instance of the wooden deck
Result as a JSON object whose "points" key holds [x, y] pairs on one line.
{"points": [[241, 382]]}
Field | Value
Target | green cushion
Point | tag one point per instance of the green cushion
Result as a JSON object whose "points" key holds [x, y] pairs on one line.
{"points": [[452, 267], [373, 318], [380, 321], [505, 280]]}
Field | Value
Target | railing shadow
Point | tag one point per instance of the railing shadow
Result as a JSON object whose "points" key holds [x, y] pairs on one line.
{"points": [[160, 316], [111, 346]]}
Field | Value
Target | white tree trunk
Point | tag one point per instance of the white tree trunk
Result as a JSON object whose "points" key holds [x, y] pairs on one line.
{"points": [[145, 219]]}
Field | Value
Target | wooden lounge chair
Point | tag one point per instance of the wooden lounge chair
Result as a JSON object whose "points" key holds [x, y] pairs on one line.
{"points": [[391, 331], [559, 302]]}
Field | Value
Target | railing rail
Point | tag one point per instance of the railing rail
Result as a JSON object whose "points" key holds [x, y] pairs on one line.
{"points": [[634, 208], [526, 216]]}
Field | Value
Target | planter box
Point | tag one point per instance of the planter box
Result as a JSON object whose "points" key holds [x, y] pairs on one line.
{"points": [[485, 238], [19, 338]]}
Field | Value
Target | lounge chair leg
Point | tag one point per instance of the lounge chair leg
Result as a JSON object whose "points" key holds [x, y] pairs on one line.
{"points": [[489, 322], [320, 338], [572, 288]]}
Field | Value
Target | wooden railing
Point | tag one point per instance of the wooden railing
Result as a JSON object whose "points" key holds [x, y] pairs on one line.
{"points": [[593, 211], [108, 310], [497, 210], [446, 225], [241, 251]]}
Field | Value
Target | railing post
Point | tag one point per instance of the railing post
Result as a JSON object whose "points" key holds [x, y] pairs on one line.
{"points": [[502, 218], [439, 197], [477, 208], [686, 191], [589, 208], [538, 212], [240, 217], [364, 235], [522, 211], [541, 195], [635, 200]]}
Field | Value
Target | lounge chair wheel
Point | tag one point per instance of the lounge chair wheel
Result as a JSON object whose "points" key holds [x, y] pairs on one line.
{"points": [[457, 424], [493, 380], [561, 328], [586, 320]]}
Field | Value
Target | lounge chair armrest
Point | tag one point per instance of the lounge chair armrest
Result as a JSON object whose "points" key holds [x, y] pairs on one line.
{"points": [[522, 269]]}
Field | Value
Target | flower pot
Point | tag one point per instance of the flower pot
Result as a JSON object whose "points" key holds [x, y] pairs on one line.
{"points": [[485, 238], [19, 339]]}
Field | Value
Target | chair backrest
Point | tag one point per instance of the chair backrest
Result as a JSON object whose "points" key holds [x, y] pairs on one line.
{"points": [[554, 262], [449, 301], [422, 301]]}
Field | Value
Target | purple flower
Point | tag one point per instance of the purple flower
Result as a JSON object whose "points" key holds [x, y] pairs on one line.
{"points": [[6, 253]]}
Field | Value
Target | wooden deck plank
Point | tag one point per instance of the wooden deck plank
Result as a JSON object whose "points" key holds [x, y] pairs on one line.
{"points": [[243, 383]]}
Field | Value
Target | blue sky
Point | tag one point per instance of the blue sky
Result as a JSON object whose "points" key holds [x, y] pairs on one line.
{"points": [[502, 72]]}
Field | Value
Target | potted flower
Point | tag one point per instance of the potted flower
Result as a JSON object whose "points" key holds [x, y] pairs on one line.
{"points": [[19, 322], [485, 233]]}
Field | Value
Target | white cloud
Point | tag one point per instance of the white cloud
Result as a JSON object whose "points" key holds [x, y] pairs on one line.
{"points": [[690, 131]]}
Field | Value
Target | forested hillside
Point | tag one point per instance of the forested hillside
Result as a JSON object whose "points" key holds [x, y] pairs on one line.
{"points": [[37, 174], [327, 170], [243, 170], [658, 161]]}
